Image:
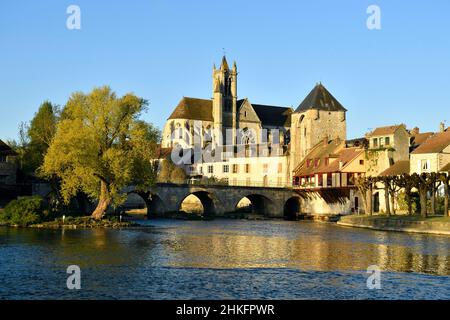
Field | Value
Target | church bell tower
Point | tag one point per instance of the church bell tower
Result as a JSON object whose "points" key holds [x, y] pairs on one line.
{"points": [[225, 100]]}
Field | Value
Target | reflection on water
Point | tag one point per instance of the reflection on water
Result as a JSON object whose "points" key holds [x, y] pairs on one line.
{"points": [[232, 259]]}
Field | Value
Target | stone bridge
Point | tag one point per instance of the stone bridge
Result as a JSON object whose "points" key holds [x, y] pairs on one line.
{"points": [[218, 200]]}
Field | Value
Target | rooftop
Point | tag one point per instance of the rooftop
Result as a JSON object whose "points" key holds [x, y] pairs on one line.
{"points": [[435, 143], [320, 99], [398, 168]]}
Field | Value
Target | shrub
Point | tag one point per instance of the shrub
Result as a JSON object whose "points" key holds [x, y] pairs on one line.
{"points": [[25, 211]]}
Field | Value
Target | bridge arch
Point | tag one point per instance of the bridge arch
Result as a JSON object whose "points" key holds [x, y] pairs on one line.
{"points": [[153, 203], [291, 208], [206, 199], [259, 204]]}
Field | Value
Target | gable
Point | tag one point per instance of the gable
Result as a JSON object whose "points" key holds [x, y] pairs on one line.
{"points": [[247, 113]]}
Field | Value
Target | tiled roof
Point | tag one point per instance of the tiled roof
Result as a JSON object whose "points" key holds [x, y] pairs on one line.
{"points": [[320, 99], [419, 138], [273, 115], [434, 144], [334, 151], [446, 168], [6, 150], [398, 168], [382, 131], [193, 109]]}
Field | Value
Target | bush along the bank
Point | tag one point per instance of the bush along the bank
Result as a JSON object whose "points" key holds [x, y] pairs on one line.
{"points": [[25, 211]]}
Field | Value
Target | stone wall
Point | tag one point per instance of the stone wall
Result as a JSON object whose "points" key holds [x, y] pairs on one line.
{"points": [[397, 224]]}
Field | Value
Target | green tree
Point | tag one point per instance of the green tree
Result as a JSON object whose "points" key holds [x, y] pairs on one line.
{"points": [[101, 146], [35, 137], [178, 175]]}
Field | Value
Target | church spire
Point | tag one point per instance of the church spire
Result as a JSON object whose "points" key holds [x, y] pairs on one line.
{"points": [[224, 64]]}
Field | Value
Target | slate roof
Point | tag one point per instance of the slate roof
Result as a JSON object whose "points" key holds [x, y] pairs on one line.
{"points": [[193, 109], [320, 99], [6, 150], [382, 131], [434, 144], [273, 115], [398, 168]]}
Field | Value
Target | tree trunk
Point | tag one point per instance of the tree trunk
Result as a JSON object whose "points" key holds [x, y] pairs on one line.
{"points": [[446, 196], [409, 201], [386, 199], [103, 202], [423, 202], [369, 201], [433, 200], [393, 202]]}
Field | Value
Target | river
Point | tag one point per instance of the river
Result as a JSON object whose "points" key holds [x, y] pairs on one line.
{"points": [[223, 259]]}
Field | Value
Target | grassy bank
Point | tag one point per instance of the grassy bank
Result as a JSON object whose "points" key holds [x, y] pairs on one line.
{"points": [[84, 223], [400, 223]]}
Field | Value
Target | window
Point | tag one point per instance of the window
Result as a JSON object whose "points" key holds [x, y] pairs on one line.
{"points": [[387, 141], [280, 168], [361, 162], [375, 142], [424, 165], [247, 168], [235, 168], [201, 170], [329, 180], [226, 168], [210, 169], [191, 169], [265, 168], [320, 180], [381, 142], [316, 163], [308, 163]]}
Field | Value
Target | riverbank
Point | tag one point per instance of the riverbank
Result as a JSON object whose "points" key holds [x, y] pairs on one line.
{"points": [[438, 225], [81, 223]]}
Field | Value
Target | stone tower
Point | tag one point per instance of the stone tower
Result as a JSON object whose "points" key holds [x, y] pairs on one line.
{"points": [[225, 99], [320, 116]]}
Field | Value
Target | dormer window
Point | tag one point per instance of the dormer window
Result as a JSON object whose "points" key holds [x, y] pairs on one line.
{"points": [[316, 163]]}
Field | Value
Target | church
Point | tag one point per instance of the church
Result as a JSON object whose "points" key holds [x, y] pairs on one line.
{"points": [[274, 139]]}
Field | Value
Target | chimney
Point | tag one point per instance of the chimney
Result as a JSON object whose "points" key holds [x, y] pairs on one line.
{"points": [[442, 127], [415, 131]]}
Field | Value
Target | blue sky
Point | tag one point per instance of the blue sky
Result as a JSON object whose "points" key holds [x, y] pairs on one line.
{"points": [[163, 50]]}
